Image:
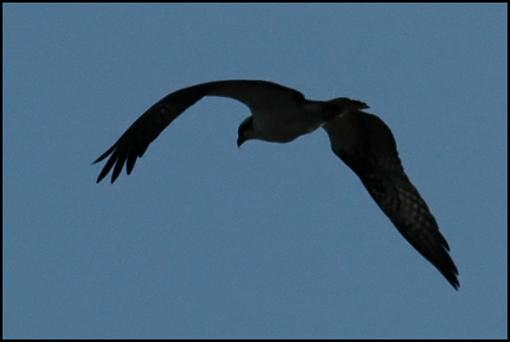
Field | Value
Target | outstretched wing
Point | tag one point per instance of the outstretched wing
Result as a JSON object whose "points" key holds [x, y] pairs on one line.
{"points": [[365, 143], [135, 140]]}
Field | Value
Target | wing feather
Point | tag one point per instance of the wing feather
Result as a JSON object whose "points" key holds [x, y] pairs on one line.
{"points": [[365, 143], [133, 143]]}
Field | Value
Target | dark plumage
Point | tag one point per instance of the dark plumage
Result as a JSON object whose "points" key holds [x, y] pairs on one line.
{"points": [[280, 114]]}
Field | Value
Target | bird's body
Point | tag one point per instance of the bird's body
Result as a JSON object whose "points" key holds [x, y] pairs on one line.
{"points": [[281, 114]]}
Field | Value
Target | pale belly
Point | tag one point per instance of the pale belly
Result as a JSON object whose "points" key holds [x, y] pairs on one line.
{"points": [[276, 126]]}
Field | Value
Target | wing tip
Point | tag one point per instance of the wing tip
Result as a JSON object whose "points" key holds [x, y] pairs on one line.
{"points": [[448, 269], [109, 164], [452, 279], [115, 164]]}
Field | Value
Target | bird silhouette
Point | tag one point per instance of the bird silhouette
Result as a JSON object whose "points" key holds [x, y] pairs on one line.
{"points": [[281, 114]]}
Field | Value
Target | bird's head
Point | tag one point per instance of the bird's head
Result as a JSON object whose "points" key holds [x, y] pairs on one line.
{"points": [[342, 104], [245, 131]]}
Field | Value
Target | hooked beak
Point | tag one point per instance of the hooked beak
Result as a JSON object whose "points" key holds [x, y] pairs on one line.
{"points": [[240, 141]]}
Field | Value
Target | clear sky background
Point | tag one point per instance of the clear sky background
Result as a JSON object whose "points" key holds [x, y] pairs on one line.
{"points": [[270, 240]]}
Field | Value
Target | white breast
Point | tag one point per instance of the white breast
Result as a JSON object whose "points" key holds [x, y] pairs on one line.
{"points": [[283, 120]]}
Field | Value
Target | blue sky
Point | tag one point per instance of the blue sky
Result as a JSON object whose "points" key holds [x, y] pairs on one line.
{"points": [[270, 240]]}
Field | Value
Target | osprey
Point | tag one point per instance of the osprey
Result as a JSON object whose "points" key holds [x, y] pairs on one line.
{"points": [[281, 114]]}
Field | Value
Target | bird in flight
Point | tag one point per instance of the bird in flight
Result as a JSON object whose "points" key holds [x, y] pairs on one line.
{"points": [[281, 114]]}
